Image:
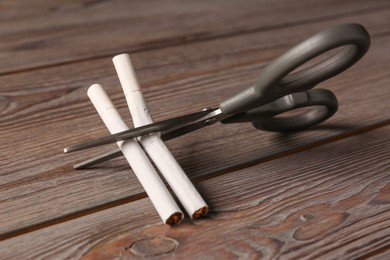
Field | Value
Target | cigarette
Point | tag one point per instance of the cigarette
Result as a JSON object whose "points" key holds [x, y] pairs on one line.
{"points": [[154, 146], [162, 200]]}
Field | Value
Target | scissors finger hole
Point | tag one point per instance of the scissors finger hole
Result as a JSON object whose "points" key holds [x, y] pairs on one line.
{"points": [[319, 68], [318, 58], [297, 111], [296, 119], [303, 69]]}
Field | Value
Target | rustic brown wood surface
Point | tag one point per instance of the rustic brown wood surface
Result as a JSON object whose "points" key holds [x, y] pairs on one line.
{"points": [[322, 202], [321, 192], [45, 32]]}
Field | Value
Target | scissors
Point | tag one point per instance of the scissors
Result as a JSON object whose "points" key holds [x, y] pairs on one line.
{"points": [[279, 89]]}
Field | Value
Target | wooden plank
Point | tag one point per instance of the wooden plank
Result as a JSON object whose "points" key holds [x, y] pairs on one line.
{"points": [[332, 201], [57, 32], [37, 181]]}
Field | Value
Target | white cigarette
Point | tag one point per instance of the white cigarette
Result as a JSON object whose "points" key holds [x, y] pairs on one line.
{"points": [[162, 200], [154, 146]]}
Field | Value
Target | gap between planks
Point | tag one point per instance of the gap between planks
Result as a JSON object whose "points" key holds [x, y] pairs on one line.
{"points": [[275, 219], [189, 39], [210, 175]]}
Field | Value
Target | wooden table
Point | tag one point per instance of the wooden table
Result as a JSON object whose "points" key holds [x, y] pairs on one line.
{"points": [[321, 193]]}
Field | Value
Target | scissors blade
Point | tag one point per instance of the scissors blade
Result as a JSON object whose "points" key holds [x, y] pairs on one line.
{"points": [[162, 126], [214, 116]]}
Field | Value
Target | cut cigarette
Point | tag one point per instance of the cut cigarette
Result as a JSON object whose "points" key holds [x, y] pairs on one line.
{"points": [[154, 146], [162, 200]]}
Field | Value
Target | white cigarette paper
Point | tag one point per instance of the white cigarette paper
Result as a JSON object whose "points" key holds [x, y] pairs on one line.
{"points": [[154, 146], [162, 200]]}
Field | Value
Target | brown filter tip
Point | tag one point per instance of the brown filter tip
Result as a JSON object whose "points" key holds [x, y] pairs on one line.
{"points": [[200, 212], [174, 219]]}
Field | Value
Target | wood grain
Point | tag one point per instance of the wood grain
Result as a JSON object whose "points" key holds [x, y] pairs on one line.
{"points": [[325, 202], [44, 33], [37, 183]]}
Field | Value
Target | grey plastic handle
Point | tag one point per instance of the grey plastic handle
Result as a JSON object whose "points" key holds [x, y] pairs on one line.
{"points": [[277, 80], [323, 104]]}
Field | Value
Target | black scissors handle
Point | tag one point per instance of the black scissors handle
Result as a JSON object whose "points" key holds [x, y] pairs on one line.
{"points": [[323, 102], [280, 79]]}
